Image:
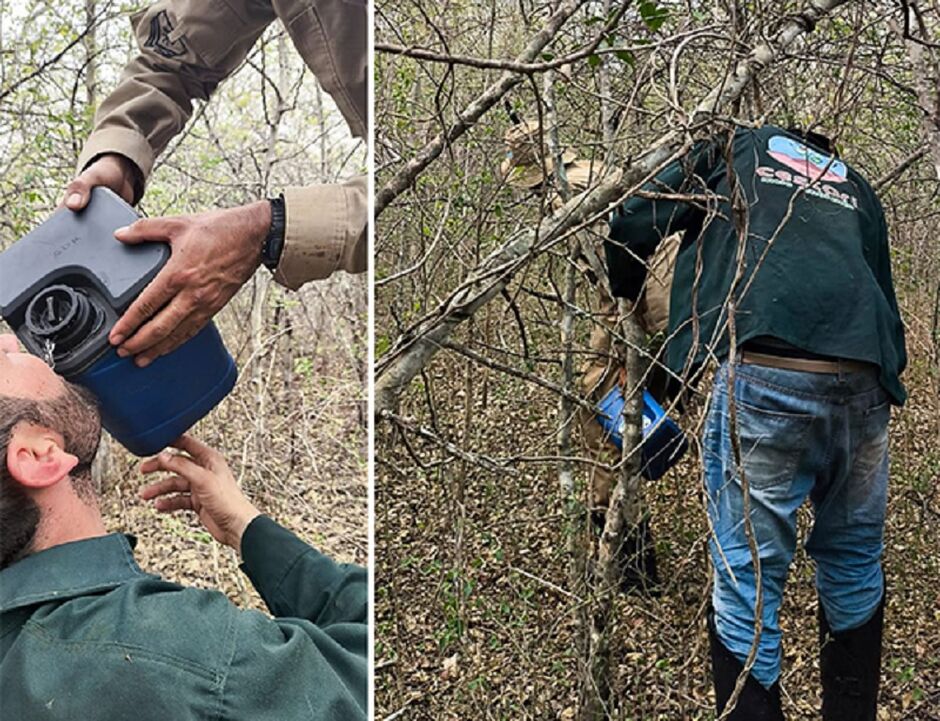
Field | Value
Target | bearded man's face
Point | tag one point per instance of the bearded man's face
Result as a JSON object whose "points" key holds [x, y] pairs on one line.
{"points": [[31, 393]]}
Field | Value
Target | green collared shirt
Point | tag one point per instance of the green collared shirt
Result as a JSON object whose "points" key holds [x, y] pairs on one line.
{"points": [[86, 634]]}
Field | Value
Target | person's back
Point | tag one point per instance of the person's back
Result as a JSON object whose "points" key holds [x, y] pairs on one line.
{"points": [[812, 225], [102, 637], [785, 254]]}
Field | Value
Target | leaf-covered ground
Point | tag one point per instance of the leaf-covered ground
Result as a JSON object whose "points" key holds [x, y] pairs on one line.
{"points": [[474, 616]]}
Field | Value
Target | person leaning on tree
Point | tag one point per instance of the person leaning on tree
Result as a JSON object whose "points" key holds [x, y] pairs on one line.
{"points": [[187, 48], [528, 167], [819, 349]]}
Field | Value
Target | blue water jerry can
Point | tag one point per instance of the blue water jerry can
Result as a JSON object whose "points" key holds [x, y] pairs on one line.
{"points": [[663, 443], [64, 285]]}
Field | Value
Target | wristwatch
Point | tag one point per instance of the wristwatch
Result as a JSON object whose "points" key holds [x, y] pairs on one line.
{"points": [[274, 242]]}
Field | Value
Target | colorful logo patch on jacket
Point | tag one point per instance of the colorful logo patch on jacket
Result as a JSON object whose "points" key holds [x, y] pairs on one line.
{"points": [[806, 161]]}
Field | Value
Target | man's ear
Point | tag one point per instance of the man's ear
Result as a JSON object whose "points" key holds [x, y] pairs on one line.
{"points": [[36, 458]]}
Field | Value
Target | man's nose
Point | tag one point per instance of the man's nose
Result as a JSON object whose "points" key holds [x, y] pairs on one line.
{"points": [[8, 343]]}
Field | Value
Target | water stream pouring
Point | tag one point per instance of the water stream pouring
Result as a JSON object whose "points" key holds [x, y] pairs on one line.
{"points": [[63, 287]]}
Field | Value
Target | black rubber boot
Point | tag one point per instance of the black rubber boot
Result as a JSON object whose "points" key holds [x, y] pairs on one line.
{"points": [[636, 558], [850, 667], [755, 703]]}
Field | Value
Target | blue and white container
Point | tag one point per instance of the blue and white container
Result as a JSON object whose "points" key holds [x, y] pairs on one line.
{"points": [[64, 285], [663, 443]]}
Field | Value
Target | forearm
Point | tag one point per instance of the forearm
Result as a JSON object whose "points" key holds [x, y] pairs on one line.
{"points": [[143, 113], [182, 57], [641, 224], [296, 580]]}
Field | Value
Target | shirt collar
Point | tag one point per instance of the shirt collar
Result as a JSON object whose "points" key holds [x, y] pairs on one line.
{"points": [[69, 570]]}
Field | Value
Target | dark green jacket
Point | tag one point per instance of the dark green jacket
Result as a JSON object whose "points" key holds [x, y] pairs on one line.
{"points": [[85, 635], [817, 266]]}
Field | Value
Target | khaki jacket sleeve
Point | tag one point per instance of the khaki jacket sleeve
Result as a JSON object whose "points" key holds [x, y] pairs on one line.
{"points": [[326, 232], [187, 47], [185, 54], [332, 36]]}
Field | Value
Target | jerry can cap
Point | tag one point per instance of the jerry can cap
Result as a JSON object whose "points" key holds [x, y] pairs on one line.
{"points": [[66, 282]]}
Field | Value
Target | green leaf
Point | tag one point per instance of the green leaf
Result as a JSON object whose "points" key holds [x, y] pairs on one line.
{"points": [[653, 15], [382, 345], [627, 57], [594, 60], [303, 366]]}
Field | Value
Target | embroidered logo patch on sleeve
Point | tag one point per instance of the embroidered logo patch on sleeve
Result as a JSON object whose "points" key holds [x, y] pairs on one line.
{"points": [[159, 40]]}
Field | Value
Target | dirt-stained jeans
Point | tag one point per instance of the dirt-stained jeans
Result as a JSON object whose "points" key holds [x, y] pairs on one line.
{"points": [[816, 435]]}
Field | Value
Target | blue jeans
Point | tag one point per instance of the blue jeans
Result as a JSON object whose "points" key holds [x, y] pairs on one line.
{"points": [[815, 435]]}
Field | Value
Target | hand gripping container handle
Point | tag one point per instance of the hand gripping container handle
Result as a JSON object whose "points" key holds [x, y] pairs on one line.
{"points": [[62, 288]]}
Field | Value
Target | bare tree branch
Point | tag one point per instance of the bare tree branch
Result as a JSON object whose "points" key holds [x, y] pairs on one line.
{"points": [[411, 353], [405, 177]]}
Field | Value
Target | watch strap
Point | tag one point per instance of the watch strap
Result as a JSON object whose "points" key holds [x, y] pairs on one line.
{"points": [[274, 242]]}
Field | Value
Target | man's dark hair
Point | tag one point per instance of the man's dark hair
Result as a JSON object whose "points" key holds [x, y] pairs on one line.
{"points": [[817, 140], [73, 414]]}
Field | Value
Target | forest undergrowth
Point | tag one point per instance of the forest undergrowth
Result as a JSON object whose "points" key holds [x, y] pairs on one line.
{"points": [[474, 618]]}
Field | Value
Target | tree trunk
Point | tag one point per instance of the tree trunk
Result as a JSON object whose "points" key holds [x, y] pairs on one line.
{"points": [[90, 42], [623, 513], [926, 67]]}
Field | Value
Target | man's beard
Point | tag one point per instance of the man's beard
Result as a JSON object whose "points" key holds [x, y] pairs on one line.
{"points": [[73, 414], [80, 425]]}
